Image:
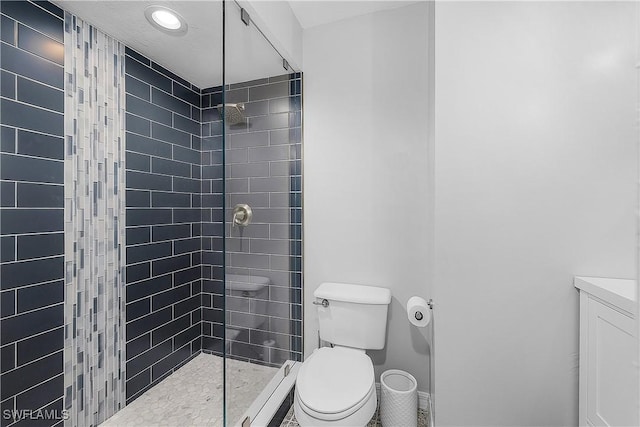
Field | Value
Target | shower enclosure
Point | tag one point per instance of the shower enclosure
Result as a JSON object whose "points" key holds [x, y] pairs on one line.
{"points": [[151, 218]]}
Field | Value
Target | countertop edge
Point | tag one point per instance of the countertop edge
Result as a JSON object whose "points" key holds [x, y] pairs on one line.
{"points": [[594, 286]]}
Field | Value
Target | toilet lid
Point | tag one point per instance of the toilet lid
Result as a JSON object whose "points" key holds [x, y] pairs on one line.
{"points": [[332, 380]]}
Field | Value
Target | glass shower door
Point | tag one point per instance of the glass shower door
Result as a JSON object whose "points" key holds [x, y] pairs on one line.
{"points": [[260, 113]]}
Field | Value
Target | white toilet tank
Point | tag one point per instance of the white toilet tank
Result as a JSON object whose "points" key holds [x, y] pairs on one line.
{"points": [[356, 315]]}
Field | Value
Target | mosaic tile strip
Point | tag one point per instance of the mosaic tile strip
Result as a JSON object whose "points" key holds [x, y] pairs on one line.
{"points": [[94, 223]]}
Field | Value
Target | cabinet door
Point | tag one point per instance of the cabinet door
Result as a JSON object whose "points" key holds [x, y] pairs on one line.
{"points": [[612, 381]]}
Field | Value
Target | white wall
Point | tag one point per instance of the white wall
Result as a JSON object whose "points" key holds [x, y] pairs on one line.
{"points": [[536, 170], [279, 24], [367, 169]]}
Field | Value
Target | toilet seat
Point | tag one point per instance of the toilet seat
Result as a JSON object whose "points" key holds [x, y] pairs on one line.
{"points": [[338, 415], [334, 383]]}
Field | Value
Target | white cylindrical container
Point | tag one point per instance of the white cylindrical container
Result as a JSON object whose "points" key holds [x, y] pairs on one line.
{"points": [[398, 399]]}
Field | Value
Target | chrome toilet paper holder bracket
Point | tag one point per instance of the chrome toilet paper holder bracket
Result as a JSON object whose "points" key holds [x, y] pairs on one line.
{"points": [[418, 314]]}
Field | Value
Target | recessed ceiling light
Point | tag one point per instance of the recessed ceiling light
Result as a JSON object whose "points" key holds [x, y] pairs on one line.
{"points": [[166, 20]]}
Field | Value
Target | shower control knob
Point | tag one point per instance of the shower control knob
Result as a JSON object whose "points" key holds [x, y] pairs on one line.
{"points": [[242, 215]]}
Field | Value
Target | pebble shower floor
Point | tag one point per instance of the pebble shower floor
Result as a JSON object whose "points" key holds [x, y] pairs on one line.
{"points": [[192, 396]]}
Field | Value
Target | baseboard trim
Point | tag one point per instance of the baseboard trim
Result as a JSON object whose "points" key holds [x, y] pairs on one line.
{"points": [[424, 398]]}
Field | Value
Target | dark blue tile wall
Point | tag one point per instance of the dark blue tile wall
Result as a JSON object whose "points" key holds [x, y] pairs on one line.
{"points": [[164, 255], [212, 223], [31, 224], [263, 169], [175, 263], [295, 227]]}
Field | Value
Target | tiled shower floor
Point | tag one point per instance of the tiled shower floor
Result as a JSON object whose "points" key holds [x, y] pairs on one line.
{"points": [[192, 396]]}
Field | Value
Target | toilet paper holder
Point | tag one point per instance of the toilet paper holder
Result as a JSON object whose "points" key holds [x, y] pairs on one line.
{"points": [[419, 311], [418, 315]]}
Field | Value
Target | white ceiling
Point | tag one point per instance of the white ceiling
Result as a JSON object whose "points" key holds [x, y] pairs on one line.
{"points": [[311, 13], [196, 56]]}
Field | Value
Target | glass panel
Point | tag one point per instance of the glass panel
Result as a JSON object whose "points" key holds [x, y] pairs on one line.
{"points": [[263, 214]]}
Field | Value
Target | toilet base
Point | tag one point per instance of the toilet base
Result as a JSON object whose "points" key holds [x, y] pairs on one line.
{"points": [[360, 418]]}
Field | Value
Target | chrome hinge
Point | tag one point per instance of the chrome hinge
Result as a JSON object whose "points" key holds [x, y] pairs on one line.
{"points": [[244, 16]]}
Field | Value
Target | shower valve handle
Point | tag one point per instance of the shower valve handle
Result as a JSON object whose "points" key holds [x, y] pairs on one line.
{"points": [[242, 214]]}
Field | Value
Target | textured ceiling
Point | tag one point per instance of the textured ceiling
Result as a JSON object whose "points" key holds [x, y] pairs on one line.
{"points": [[196, 56]]}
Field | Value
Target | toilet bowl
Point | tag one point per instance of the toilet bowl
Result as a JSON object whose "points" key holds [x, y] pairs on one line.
{"points": [[335, 387]]}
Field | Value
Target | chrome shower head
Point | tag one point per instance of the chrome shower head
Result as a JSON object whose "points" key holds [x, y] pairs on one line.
{"points": [[233, 113]]}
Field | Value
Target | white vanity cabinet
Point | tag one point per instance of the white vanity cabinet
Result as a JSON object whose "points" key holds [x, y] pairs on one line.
{"points": [[608, 352]]}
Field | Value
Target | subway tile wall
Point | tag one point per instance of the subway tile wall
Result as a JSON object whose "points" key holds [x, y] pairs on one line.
{"points": [[263, 170], [32, 208], [174, 220], [212, 222], [163, 254]]}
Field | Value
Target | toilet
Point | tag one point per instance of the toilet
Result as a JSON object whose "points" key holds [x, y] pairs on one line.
{"points": [[335, 386]]}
